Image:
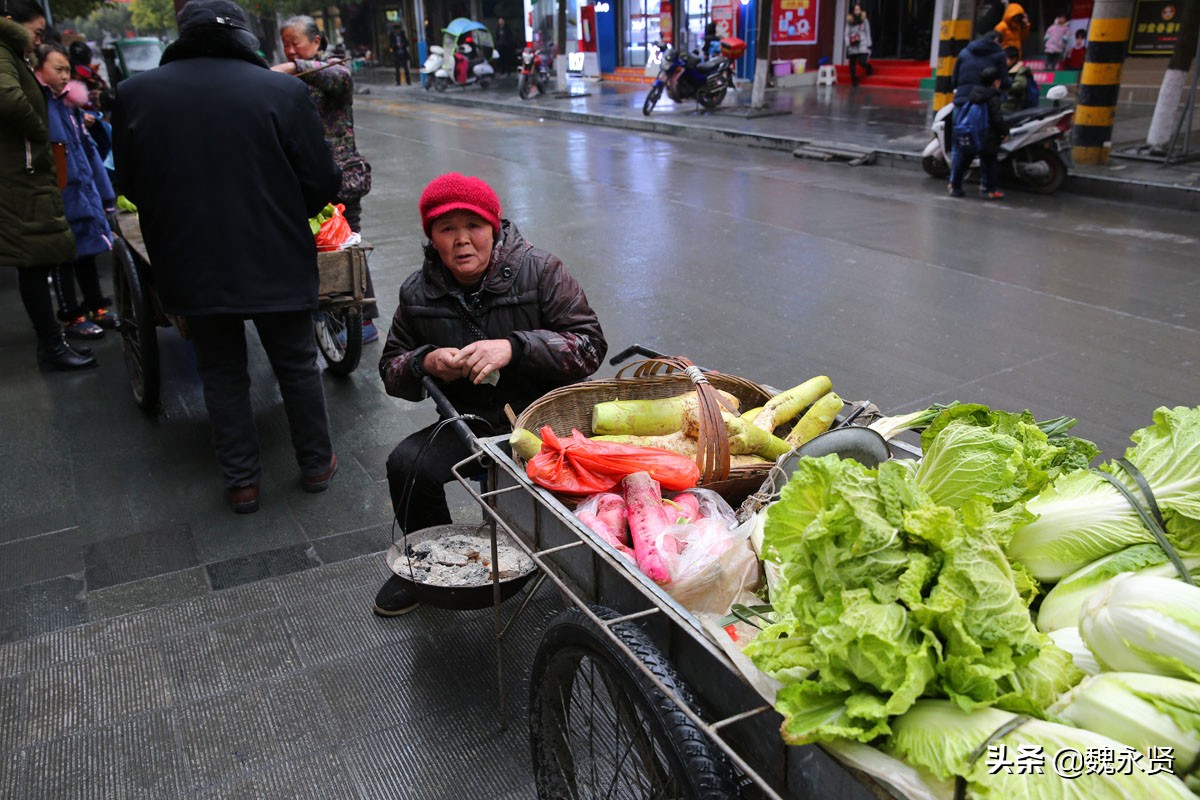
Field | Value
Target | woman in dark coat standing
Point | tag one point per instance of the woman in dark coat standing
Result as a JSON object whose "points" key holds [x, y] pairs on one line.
{"points": [[226, 161], [34, 234]]}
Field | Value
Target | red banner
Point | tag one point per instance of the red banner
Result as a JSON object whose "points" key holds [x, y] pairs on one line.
{"points": [[794, 22]]}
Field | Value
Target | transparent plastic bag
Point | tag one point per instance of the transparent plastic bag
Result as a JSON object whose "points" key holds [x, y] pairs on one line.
{"points": [[710, 558]]}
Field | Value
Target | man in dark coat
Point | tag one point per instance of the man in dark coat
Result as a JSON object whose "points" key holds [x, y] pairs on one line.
{"points": [[496, 321], [226, 160], [975, 57]]}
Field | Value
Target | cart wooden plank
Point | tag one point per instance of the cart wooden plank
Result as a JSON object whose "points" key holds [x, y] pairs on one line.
{"points": [[342, 273]]}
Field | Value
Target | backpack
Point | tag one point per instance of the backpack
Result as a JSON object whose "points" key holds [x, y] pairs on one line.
{"points": [[970, 125], [1033, 94]]}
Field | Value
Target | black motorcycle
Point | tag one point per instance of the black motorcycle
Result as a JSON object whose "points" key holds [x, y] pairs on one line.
{"points": [[687, 76]]}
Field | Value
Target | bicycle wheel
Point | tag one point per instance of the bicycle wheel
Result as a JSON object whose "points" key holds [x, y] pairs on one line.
{"points": [[600, 729], [339, 338], [139, 335]]}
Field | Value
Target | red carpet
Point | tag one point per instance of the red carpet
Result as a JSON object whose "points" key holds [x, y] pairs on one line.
{"points": [[894, 74]]}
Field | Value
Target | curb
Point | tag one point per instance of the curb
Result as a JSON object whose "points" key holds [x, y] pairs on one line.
{"points": [[1088, 185]]}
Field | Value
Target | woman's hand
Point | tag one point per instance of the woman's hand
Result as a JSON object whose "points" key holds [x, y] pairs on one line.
{"points": [[443, 364], [480, 359], [287, 67]]}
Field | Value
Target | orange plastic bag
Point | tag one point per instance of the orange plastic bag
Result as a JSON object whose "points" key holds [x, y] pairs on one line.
{"points": [[581, 466], [334, 231]]}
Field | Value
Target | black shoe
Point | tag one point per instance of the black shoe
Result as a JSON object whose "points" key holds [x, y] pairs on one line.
{"points": [[57, 354], [394, 598], [82, 349]]}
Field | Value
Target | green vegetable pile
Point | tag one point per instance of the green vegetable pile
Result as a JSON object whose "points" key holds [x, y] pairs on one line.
{"points": [[314, 223], [906, 595], [887, 595]]}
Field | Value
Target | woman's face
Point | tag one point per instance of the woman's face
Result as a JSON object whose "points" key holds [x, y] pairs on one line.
{"points": [[55, 71], [464, 241], [298, 46]]}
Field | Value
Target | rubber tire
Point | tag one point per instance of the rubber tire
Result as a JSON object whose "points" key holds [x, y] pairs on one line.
{"points": [[429, 82], [485, 83], [440, 83], [340, 360], [935, 167], [523, 87], [139, 334], [652, 98], [688, 763], [711, 101], [1058, 171]]}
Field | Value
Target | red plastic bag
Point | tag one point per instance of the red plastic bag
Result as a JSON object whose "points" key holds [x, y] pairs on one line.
{"points": [[334, 231], [581, 466]]}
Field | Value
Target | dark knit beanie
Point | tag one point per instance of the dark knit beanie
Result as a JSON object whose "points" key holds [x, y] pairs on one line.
{"points": [[455, 192]]}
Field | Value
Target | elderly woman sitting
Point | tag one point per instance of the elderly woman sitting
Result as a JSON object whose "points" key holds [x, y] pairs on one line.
{"points": [[494, 319]]}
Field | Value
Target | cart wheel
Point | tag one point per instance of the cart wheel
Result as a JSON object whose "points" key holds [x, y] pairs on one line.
{"points": [[600, 728], [339, 337], [139, 336]]}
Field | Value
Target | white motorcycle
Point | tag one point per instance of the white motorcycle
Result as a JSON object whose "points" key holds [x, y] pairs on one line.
{"points": [[439, 69], [1034, 154]]}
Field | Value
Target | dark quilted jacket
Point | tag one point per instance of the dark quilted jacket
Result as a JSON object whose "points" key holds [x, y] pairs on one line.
{"points": [[527, 297]]}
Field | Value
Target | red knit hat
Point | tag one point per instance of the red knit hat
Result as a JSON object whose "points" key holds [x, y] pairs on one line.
{"points": [[455, 192]]}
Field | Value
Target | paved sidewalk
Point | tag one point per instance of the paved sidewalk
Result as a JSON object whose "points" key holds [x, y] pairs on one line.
{"points": [[893, 123]]}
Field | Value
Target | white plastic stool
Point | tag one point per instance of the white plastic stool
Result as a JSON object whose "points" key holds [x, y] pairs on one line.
{"points": [[826, 75]]}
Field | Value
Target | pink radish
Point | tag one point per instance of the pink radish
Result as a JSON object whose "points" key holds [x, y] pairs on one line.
{"points": [[603, 529], [687, 505], [611, 509], [647, 519]]}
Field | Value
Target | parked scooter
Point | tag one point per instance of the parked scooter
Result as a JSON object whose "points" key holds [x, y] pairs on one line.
{"points": [[1031, 156], [536, 68], [686, 76], [463, 57]]}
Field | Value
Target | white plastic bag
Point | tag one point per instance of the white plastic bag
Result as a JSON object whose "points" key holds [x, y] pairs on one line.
{"points": [[710, 560]]}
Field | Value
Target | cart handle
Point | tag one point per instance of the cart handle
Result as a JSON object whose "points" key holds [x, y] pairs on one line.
{"points": [[636, 350], [450, 414]]}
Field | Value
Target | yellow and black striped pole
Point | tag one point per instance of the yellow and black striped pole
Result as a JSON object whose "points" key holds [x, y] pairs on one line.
{"points": [[1100, 83], [955, 35]]}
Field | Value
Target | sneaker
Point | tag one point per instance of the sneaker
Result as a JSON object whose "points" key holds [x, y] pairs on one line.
{"points": [[996, 195], [106, 318], [370, 332], [394, 598], [83, 328], [957, 192]]}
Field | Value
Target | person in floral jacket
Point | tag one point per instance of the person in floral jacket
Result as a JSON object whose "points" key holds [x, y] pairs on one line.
{"points": [[332, 91]]}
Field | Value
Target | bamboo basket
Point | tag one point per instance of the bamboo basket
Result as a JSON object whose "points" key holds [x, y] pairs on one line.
{"points": [[570, 407]]}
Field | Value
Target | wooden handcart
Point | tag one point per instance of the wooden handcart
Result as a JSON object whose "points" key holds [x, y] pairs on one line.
{"points": [[337, 325]]}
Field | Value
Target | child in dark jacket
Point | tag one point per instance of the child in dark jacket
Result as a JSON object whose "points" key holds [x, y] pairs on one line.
{"points": [[987, 94]]}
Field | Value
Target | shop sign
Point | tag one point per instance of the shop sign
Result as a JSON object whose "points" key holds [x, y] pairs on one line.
{"points": [[1155, 28], [723, 16], [666, 23], [794, 22]]}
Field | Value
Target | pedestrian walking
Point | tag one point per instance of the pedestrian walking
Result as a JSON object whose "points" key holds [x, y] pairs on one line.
{"points": [[983, 141], [398, 44], [88, 198], [1055, 42], [497, 321], [34, 233], [224, 209], [1014, 27], [332, 91], [506, 48], [858, 42]]}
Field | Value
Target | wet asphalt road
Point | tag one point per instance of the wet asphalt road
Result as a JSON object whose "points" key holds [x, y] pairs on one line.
{"points": [[777, 269], [155, 645]]}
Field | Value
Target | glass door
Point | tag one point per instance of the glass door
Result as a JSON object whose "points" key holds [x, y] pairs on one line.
{"points": [[641, 30]]}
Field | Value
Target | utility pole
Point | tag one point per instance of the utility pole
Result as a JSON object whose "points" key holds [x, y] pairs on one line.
{"points": [[560, 57], [762, 55], [1174, 83], [1100, 81], [954, 36]]}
